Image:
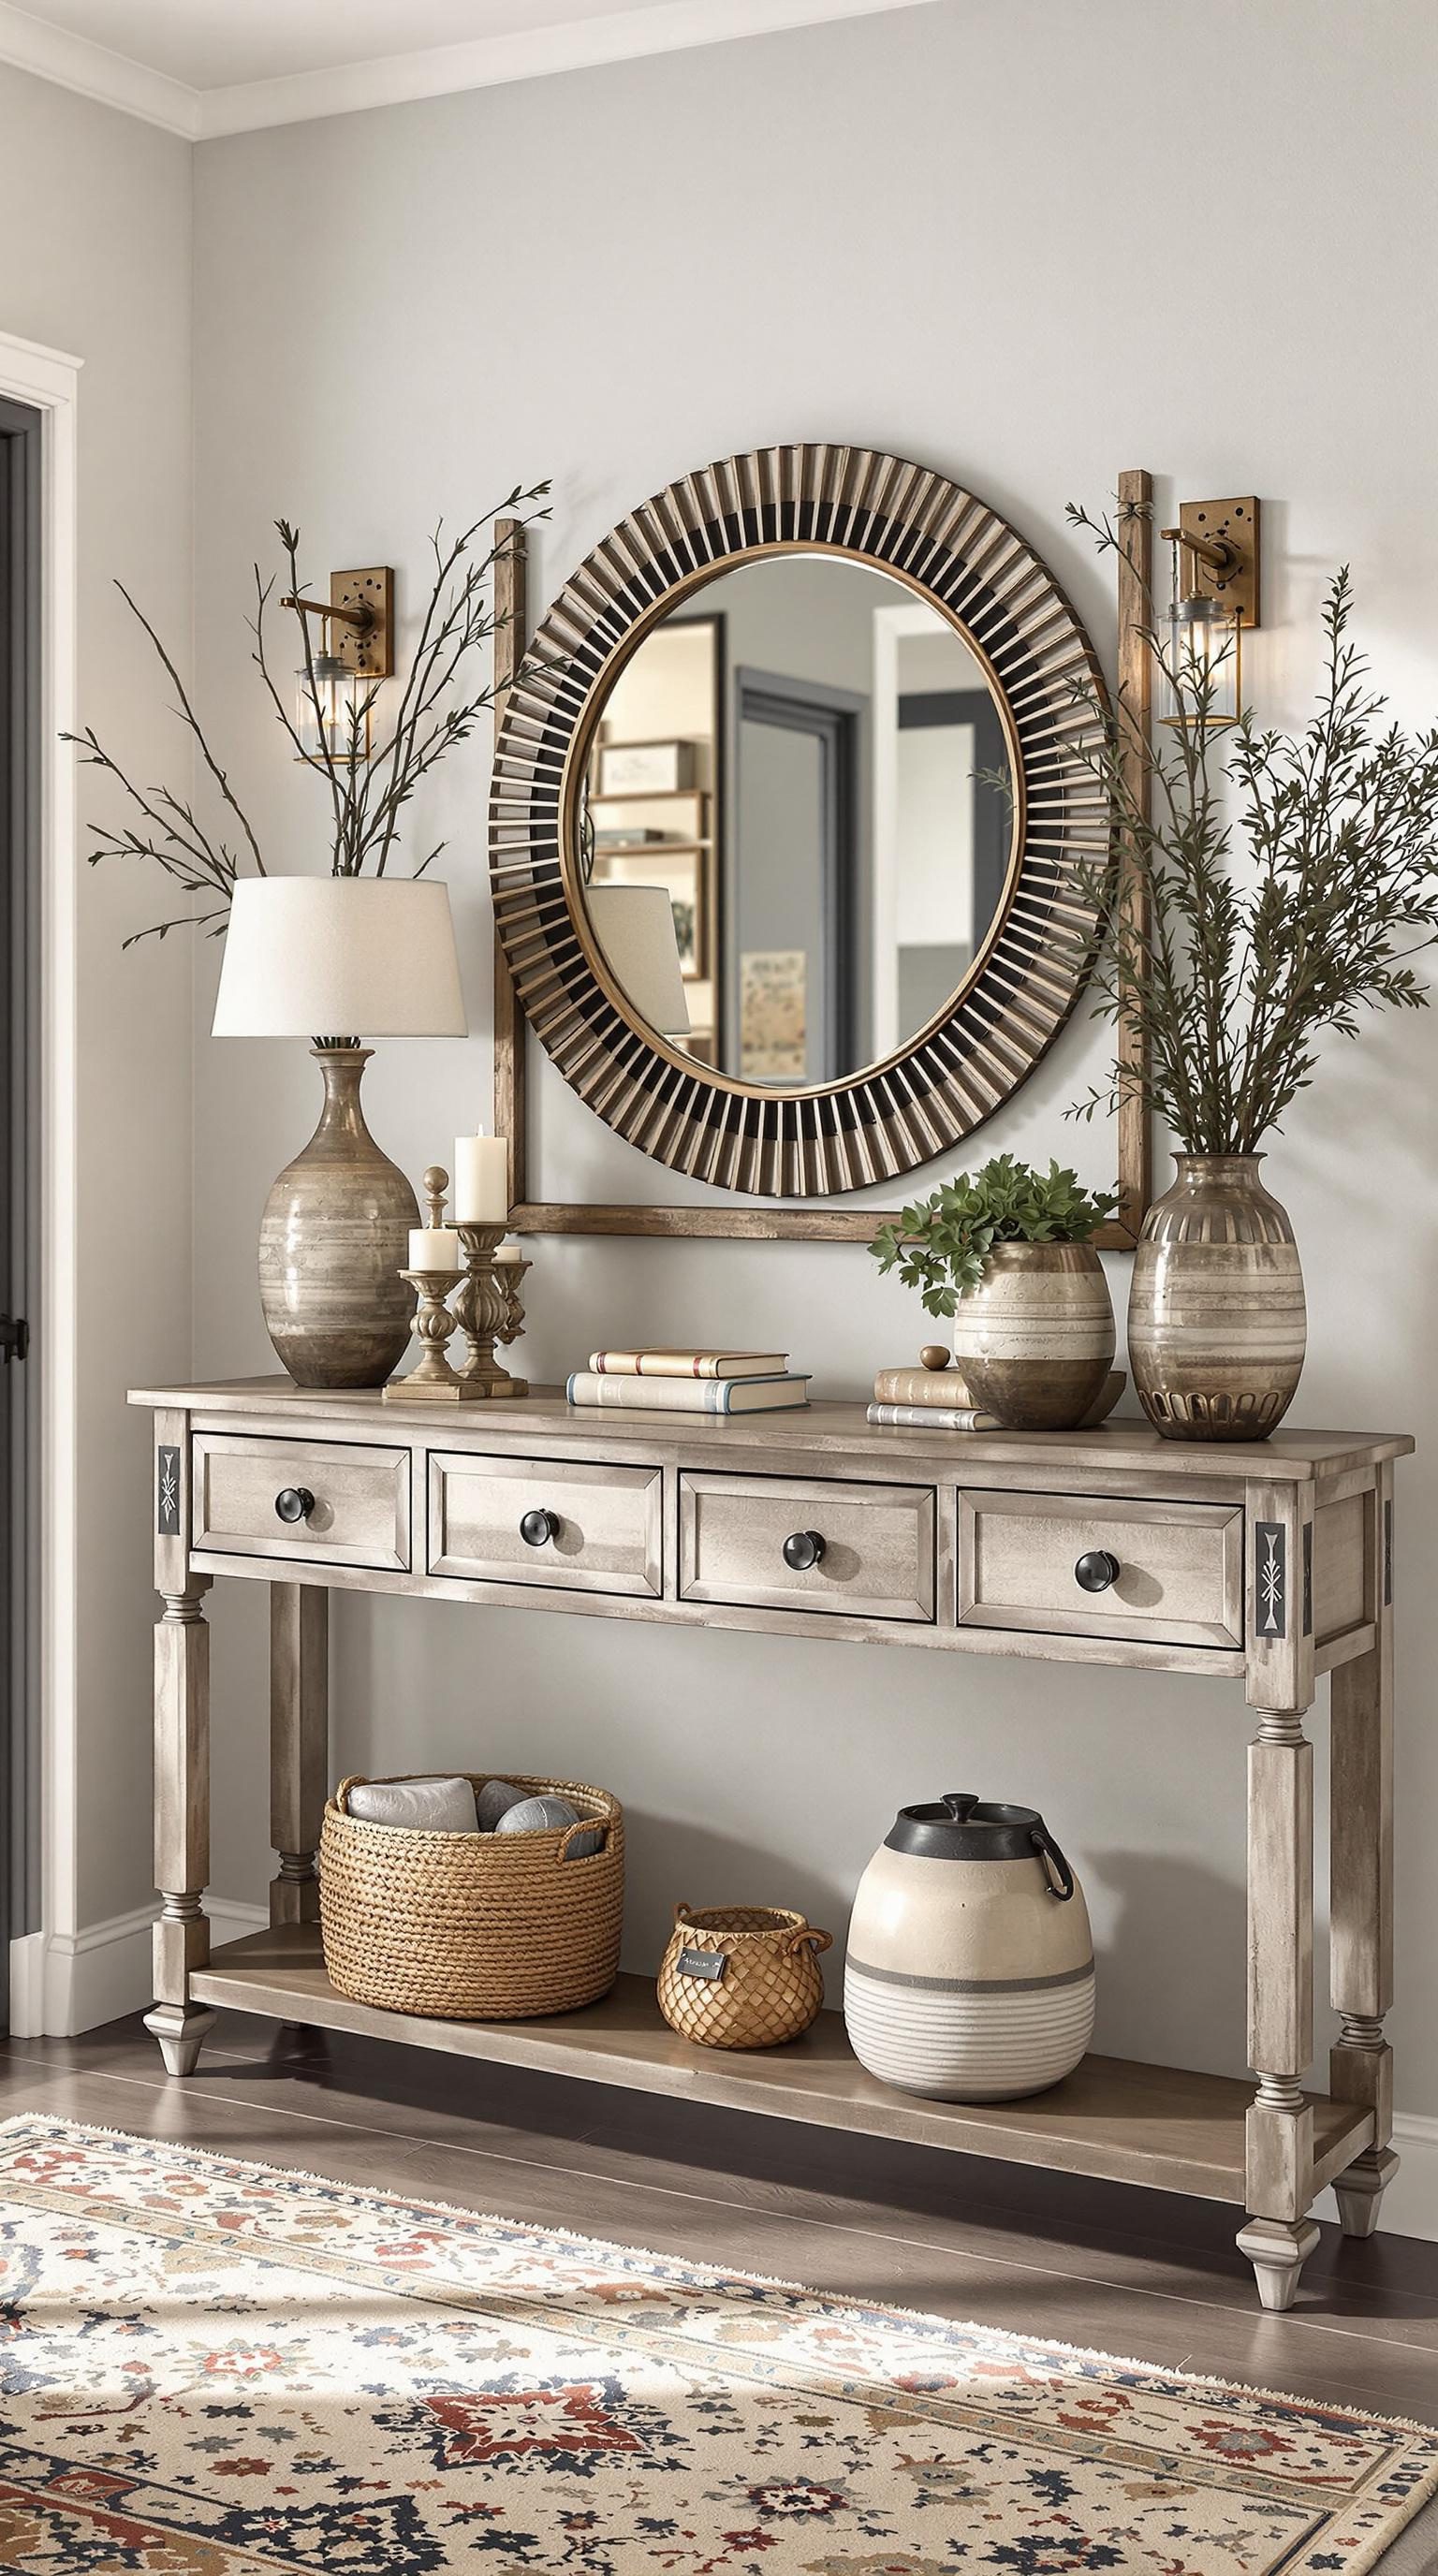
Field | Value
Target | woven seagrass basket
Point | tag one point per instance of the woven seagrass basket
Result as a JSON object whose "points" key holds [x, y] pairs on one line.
{"points": [[473, 1927], [767, 1987]]}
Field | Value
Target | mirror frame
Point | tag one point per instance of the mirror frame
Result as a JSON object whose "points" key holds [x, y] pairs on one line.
{"points": [[806, 1142]]}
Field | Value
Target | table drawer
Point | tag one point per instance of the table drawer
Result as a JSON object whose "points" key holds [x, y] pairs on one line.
{"points": [[358, 1501], [1178, 1578], [562, 1523], [875, 1559]]}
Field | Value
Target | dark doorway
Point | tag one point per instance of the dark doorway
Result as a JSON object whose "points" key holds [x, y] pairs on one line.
{"points": [[20, 719], [796, 826]]}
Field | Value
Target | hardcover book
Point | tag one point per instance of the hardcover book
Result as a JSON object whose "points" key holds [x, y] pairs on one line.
{"points": [[944, 1387], [932, 1417], [687, 1363], [688, 1395]]}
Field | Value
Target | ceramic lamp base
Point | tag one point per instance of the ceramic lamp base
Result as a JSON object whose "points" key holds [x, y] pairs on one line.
{"points": [[333, 1241]]}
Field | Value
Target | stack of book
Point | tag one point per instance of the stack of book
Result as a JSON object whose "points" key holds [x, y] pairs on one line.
{"points": [[921, 1399], [689, 1381]]}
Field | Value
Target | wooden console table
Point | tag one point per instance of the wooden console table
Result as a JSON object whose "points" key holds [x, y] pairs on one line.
{"points": [[1268, 1564]]}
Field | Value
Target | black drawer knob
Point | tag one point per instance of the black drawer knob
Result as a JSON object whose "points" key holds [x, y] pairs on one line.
{"points": [[295, 1503], [538, 1528], [1097, 1570], [802, 1550]]}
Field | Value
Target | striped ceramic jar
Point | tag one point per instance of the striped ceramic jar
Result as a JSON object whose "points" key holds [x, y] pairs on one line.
{"points": [[970, 1974], [1035, 1340], [1216, 1321]]}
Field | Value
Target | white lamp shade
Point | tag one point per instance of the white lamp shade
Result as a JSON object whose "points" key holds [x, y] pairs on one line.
{"points": [[634, 926], [362, 957]]}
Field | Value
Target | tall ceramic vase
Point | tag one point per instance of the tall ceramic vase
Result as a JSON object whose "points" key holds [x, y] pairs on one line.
{"points": [[1034, 1341], [1216, 1322]]}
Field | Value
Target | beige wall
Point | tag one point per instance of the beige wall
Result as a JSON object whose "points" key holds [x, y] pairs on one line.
{"points": [[95, 260], [962, 233]]}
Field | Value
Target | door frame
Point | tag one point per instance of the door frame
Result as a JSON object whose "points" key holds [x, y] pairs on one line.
{"points": [[47, 380], [837, 720]]}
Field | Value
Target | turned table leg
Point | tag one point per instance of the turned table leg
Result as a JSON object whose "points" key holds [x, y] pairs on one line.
{"points": [[182, 1822], [1361, 1839], [1278, 2235], [299, 1744]]}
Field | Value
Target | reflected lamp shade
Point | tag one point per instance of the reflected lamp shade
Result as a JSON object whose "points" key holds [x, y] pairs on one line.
{"points": [[368, 957], [634, 926]]}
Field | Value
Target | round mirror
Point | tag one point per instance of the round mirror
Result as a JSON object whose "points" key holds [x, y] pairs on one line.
{"points": [[796, 819], [790, 796]]}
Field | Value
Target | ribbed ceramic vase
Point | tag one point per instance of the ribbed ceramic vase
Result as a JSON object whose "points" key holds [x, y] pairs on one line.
{"points": [[333, 1241], [1034, 1341], [970, 1972], [1217, 1326]]}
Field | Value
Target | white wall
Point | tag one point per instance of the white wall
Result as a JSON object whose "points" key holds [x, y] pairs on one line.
{"points": [[950, 233], [95, 228]]}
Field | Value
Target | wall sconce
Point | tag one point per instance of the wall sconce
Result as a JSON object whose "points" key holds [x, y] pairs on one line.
{"points": [[356, 653], [1214, 597]]}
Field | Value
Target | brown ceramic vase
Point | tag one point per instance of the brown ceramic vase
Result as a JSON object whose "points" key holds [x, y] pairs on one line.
{"points": [[333, 1241], [1216, 1320], [1035, 1340]]}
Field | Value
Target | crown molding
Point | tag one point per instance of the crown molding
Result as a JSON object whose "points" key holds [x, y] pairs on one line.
{"points": [[73, 62], [437, 71]]}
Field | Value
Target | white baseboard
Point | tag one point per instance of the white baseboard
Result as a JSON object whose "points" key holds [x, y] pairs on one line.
{"points": [[74, 1982]]}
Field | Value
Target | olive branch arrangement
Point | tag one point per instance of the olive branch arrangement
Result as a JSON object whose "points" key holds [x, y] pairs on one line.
{"points": [[437, 708], [941, 1244], [1231, 961]]}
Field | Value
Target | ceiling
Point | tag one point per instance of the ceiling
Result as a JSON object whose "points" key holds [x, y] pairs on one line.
{"points": [[217, 66]]}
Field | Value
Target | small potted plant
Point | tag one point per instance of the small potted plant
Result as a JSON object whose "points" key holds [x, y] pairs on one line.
{"points": [[1008, 1253]]}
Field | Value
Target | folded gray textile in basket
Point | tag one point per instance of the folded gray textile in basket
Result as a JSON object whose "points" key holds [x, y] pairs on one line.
{"points": [[438, 1806]]}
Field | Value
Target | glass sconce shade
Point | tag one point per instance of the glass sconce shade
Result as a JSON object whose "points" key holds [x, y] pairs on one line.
{"points": [[334, 716], [1203, 681]]}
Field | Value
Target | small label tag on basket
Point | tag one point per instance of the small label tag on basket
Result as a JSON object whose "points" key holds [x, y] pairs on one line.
{"points": [[702, 1963]]}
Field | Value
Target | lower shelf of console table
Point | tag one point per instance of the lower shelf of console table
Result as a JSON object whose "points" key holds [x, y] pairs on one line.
{"points": [[1114, 2117]]}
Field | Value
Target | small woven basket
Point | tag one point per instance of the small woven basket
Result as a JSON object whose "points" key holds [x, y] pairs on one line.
{"points": [[768, 1987], [473, 1927]]}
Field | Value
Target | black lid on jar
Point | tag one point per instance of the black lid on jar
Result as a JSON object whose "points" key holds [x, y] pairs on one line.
{"points": [[959, 1826]]}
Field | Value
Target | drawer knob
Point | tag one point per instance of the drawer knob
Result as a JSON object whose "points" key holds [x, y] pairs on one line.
{"points": [[538, 1528], [295, 1503], [1097, 1570], [802, 1550]]}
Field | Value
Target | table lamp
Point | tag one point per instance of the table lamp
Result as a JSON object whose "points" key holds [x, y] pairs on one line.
{"points": [[321, 957]]}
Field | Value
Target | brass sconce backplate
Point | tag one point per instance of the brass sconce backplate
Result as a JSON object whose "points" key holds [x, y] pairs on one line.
{"points": [[1233, 524], [370, 648]]}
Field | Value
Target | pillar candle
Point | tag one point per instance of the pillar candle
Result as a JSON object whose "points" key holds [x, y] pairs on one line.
{"points": [[433, 1247], [481, 1180], [509, 1253]]}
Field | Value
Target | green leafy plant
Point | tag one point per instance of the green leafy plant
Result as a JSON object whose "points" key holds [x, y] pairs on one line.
{"points": [[1274, 886], [941, 1245], [435, 706]]}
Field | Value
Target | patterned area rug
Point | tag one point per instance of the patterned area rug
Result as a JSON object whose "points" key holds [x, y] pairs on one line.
{"points": [[214, 2369]]}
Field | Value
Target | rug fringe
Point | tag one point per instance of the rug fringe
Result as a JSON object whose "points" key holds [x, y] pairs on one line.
{"points": [[718, 2276]]}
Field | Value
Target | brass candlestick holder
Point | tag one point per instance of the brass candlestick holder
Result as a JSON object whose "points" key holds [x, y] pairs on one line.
{"points": [[433, 1381], [488, 1310]]}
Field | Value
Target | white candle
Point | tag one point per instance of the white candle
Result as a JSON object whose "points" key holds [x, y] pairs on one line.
{"points": [[481, 1180], [433, 1247], [509, 1253]]}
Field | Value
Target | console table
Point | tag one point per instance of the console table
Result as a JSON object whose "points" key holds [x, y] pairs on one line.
{"points": [[1268, 1564]]}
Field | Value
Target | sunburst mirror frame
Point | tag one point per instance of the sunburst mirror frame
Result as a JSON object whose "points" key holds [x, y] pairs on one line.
{"points": [[815, 1140]]}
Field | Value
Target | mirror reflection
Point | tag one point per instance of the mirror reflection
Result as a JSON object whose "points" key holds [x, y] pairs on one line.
{"points": [[796, 756]]}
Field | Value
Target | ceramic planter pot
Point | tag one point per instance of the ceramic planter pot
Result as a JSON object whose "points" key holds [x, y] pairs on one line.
{"points": [[1216, 1322], [1035, 1341], [970, 1972]]}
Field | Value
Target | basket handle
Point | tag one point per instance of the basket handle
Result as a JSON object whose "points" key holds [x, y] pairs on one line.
{"points": [[356, 1780], [821, 1940], [586, 1825]]}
